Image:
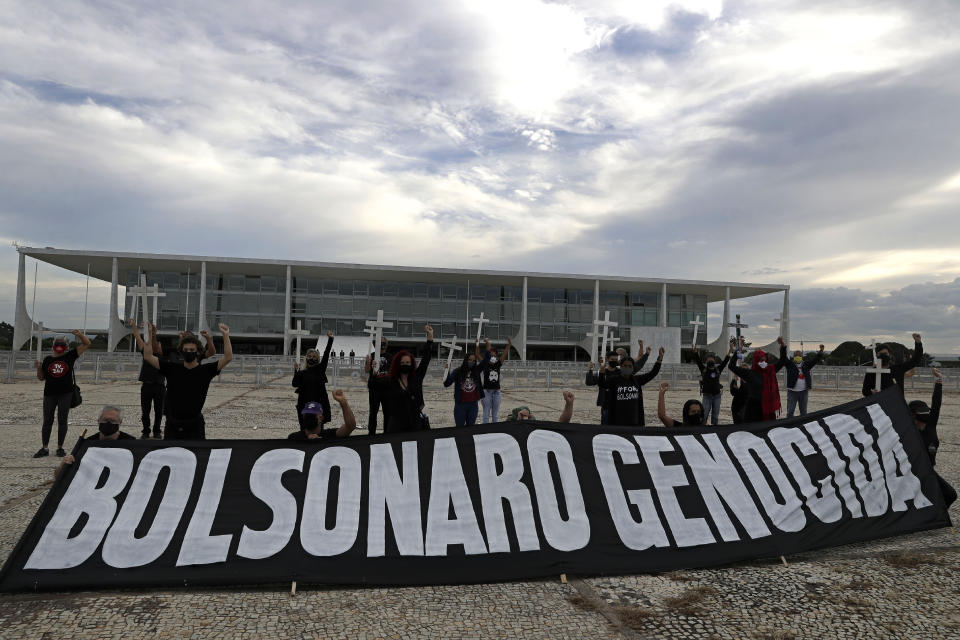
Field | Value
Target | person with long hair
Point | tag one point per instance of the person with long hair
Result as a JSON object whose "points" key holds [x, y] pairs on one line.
{"points": [[763, 390], [490, 372], [311, 381], [401, 391], [467, 392]]}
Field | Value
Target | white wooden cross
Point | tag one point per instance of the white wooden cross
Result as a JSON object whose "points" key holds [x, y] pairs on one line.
{"points": [[370, 331], [593, 335], [877, 369], [378, 325], [299, 332], [696, 326], [480, 322], [143, 293], [452, 346], [607, 324]]}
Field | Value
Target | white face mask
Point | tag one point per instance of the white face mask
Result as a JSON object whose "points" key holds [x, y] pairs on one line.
{"points": [[493, 360], [762, 365]]}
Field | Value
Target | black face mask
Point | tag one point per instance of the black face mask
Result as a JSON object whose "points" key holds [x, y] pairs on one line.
{"points": [[189, 356], [924, 418], [312, 362], [109, 428], [613, 364], [711, 365], [626, 372], [693, 419], [406, 368], [884, 358], [309, 421]]}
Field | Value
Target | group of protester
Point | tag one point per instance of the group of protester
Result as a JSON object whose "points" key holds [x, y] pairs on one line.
{"points": [[175, 387]]}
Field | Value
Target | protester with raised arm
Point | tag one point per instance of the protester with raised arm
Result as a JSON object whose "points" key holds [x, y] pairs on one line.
{"points": [[799, 379], [401, 391], [711, 390], [692, 410], [152, 387], [467, 390], [187, 384], [763, 390], [897, 370], [311, 381], [624, 396], [311, 424], [56, 373], [490, 366]]}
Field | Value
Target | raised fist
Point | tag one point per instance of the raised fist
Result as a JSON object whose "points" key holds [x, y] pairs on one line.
{"points": [[568, 396], [664, 387]]}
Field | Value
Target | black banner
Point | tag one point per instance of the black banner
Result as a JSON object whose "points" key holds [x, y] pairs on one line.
{"points": [[476, 504]]}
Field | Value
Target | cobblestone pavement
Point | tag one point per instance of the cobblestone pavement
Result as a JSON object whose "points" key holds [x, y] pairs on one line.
{"points": [[902, 587]]}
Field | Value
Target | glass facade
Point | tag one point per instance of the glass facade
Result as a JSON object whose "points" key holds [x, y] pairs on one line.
{"points": [[253, 305]]}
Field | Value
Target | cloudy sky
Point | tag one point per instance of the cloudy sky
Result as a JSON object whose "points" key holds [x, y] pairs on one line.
{"points": [[808, 143]]}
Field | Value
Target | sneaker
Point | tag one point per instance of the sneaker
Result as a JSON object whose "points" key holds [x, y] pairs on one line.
{"points": [[43, 452], [157, 435], [61, 452], [145, 435]]}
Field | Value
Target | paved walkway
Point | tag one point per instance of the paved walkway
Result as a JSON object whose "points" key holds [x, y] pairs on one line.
{"points": [[895, 588]]}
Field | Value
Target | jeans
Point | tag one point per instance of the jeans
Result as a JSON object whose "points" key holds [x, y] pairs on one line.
{"points": [[491, 405], [794, 397], [465, 413], [711, 408], [61, 404], [151, 393]]}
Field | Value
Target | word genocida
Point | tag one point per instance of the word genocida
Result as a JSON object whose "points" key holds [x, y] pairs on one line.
{"points": [[503, 489]]}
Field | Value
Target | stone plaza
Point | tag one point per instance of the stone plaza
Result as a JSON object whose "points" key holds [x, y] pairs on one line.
{"points": [[891, 588]]}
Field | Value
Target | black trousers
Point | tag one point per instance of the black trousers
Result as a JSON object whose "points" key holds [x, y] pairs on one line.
{"points": [[185, 428], [61, 404], [374, 408], [151, 394]]}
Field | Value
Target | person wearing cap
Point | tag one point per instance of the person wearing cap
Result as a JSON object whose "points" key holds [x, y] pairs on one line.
{"points": [[521, 414], [925, 418], [312, 421], [56, 373], [897, 371], [311, 382], [108, 429]]}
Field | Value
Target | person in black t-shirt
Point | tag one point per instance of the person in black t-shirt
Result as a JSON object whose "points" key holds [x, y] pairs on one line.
{"points": [[490, 375], [187, 385], [152, 387], [311, 381], [925, 418], [624, 396], [373, 396], [109, 429], [312, 420], [56, 372]]}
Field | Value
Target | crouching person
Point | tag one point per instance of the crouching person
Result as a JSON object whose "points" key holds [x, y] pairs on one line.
{"points": [[109, 429], [312, 420], [692, 410], [521, 414]]}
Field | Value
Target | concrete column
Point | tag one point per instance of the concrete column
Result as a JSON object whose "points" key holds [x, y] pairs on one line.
{"points": [[116, 329], [202, 311], [286, 311], [663, 304], [523, 323], [22, 322], [785, 317]]}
